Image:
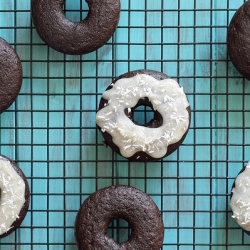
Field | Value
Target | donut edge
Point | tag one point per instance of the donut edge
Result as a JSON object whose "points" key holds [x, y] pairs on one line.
{"points": [[70, 50], [120, 186], [18, 76], [143, 157], [25, 206], [231, 41]]}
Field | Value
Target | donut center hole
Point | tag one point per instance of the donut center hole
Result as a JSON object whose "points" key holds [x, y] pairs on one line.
{"points": [[119, 230], [144, 115], [76, 10]]}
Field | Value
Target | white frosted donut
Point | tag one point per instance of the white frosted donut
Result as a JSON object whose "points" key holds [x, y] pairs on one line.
{"points": [[14, 198], [166, 97], [240, 199]]}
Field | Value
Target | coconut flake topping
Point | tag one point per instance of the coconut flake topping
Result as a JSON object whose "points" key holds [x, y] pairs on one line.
{"points": [[12, 196], [240, 200], [166, 96]]}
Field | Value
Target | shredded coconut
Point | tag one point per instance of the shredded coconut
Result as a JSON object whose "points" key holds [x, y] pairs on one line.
{"points": [[166, 96], [240, 200], [12, 197]]}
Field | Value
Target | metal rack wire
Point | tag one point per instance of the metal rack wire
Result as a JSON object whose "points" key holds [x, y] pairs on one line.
{"points": [[50, 130]]}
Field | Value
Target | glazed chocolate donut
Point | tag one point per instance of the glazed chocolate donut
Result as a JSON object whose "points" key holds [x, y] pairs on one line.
{"points": [[238, 40], [10, 75], [15, 196], [75, 37], [124, 202], [240, 199], [159, 137]]}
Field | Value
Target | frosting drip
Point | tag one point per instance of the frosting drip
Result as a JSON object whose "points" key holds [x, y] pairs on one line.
{"points": [[12, 195], [240, 200], [166, 96]]}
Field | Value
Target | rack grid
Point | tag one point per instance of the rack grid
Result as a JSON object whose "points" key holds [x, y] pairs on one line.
{"points": [[50, 130]]}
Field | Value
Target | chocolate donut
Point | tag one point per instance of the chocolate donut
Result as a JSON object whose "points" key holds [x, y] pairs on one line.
{"points": [[10, 75], [159, 137], [15, 196], [124, 202], [75, 38], [238, 40]]}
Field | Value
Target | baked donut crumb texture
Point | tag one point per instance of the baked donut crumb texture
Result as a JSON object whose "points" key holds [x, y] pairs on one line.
{"points": [[238, 40], [75, 38], [10, 75], [124, 202]]}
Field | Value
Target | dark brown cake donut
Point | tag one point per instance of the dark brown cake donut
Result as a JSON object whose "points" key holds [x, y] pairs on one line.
{"points": [[15, 194], [158, 121], [238, 38], [10, 75], [75, 37], [123, 202]]}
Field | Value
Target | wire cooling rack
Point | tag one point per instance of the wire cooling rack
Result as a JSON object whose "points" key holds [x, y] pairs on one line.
{"points": [[50, 130]]}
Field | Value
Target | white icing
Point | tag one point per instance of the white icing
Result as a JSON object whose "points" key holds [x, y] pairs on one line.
{"points": [[240, 200], [166, 96], [12, 195]]}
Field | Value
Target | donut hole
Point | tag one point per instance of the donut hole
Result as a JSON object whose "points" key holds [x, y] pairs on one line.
{"points": [[119, 230], [76, 10], [143, 114]]}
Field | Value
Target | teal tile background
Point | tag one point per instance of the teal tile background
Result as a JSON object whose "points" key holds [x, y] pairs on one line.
{"points": [[50, 130]]}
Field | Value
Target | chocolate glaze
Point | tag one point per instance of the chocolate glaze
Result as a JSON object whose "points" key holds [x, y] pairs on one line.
{"points": [[154, 123], [75, 37], [123, 202], [24, 209], [10, 75], [238, 38]]}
